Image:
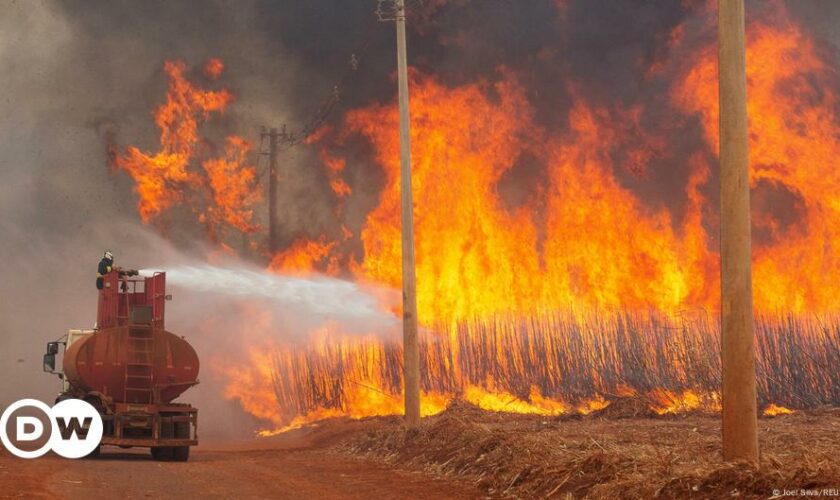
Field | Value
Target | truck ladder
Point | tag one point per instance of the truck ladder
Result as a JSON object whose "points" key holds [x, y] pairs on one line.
{"points": [[139, 383]]}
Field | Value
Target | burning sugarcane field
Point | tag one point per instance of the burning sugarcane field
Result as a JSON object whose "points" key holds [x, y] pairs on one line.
{"points": [[420, 248]]}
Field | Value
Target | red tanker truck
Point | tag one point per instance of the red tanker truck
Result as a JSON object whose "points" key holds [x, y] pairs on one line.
{"points": [[131, 369]]}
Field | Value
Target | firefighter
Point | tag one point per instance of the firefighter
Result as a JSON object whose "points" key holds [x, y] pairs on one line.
{"points": [[105, 266]]}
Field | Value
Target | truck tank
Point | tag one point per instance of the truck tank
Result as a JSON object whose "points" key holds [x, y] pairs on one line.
{"points": [[132, 364]]}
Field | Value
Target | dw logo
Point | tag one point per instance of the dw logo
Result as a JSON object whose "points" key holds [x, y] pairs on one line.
{"points": [[71, 428]]}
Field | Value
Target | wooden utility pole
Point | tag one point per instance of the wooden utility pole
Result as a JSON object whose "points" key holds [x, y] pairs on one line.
{"points": [[411, 349], [740, 433], [272, 190]]}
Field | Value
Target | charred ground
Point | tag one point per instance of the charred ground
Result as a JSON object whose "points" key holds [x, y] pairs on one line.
{"points": [[612, 454]]}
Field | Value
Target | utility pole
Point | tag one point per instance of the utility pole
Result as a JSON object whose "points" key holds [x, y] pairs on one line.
{"points": [[740, 433], [272, 187], [394, 10]]}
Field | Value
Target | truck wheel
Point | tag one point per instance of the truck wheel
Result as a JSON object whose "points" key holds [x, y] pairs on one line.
{"points": [[181, 453], [182, 431], [162, 453]]}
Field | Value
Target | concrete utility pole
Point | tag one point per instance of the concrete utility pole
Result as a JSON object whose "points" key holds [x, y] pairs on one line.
{"points": [[410, 346], [740, 433]]}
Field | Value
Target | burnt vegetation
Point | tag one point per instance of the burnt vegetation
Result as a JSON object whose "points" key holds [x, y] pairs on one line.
{"points": [[672, 361]]}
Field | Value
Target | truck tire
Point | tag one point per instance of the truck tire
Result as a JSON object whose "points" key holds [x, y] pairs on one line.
{"points": [[182, 431], [180, 453], [162, 453]]}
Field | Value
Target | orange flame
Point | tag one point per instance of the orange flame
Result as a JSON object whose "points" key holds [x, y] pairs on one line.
{"points": [[303, 257], [476, 257], [793, 138], [213, 68], [670, 402], [162, 178], [335, 166], [232, 186], [583, 239], [774, 410]]}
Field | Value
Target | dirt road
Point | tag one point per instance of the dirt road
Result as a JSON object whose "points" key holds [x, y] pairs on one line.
{"points": [[266, 473], [613, 453]]}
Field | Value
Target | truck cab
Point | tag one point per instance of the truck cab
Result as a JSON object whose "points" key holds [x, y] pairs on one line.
{"points": [[57, 348]]}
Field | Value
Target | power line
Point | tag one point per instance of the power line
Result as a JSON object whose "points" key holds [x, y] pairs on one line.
{"points": [[331, 101], [386, 10], [284, 140]]}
